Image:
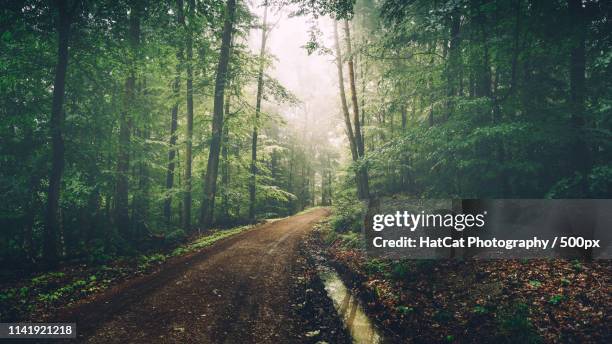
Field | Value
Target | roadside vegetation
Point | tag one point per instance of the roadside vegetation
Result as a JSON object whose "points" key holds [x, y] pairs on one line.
{"points": [[39, 295]]}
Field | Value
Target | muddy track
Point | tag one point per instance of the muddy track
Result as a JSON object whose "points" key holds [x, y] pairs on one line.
{"points": [[236, 291]]}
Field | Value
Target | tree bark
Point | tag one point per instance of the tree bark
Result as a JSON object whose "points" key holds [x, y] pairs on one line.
{"points": [[345, 110], [581, 154], [351, 69], [210, 181], [225, 168], [189, 128], [253, 177], [362, 170], [122, 217], [52, 222], [483, 82], [452, 71], [176, 86]]}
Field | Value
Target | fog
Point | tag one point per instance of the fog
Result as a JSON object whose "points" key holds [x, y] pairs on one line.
{"points": [[311, 78]]}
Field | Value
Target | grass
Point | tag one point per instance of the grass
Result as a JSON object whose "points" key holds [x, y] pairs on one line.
{"points": [[308, 210], [208, 240]]}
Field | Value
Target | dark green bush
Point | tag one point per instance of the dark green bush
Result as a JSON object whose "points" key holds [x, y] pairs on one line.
{"points": [[515, 326], [348, 215], [400, 270]]}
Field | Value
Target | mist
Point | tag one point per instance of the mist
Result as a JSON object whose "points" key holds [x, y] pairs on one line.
{"points": [[311, 78]]}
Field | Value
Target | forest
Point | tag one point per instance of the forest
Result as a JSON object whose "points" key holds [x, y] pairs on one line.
{"points": [[133, 125], [125, 120]]}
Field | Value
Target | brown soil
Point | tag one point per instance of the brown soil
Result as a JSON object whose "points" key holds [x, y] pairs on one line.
{"points": [[240, 290]]}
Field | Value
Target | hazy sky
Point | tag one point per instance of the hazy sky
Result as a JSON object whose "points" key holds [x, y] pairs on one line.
{"points": [[312, 78]]}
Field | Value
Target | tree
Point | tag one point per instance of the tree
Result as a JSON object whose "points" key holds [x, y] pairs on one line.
{"points": [[580, 150], [174, 121], [362, 171], [52, 223], [354, 136], [122, 217], [189, 127], [260, 81], [212, 168]]}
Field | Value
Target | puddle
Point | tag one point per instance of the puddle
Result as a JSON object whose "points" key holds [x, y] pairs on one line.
{"points": [[348, 307]]}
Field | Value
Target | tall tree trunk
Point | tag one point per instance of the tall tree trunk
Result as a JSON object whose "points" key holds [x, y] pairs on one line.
{"points": [[452, 72], [179, 185], [362, 170], [351, 70], [52, 222], [253, 179], [176, 86], [516, 47], [189, 128], [580, 153], [225, 168], [142, 199], [483, 82], [345, 110], [122, 217], [210, 181], [30, 216], [33, 203]]}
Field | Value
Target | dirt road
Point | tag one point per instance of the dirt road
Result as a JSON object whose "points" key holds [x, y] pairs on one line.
{"points": [[237, 291]]}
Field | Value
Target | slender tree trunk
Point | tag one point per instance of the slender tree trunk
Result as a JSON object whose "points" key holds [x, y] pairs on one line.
{"points": [[351, 69], [179, 185], [225, 168], [452, 72], [515, 48], [122, 217], [362, 172], [30, 217], [580, 152], [210, 182], [52, 222], [483, 87], [291, 166], [347, 119], [253, 179], [142, 206], [345, 110], [189, 128], [176, 86], [33, 203]]}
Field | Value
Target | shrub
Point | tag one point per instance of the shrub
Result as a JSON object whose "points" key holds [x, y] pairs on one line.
{"points": [[175, 236], [400, 270], [348, 216], [375, 266], [515, 326]]}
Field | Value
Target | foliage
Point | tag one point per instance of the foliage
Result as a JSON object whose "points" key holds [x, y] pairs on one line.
{"points": [[44, 292], [515, 326], [98, 104], [348, 214], [429, 300], [473, 99]]}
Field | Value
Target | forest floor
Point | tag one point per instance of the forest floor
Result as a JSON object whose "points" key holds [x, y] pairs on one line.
{"points": [[256, 286], [450, 301], [261, 285]]}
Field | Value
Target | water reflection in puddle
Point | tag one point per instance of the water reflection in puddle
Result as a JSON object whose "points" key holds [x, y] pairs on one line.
{"points": [[356, 321]]}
